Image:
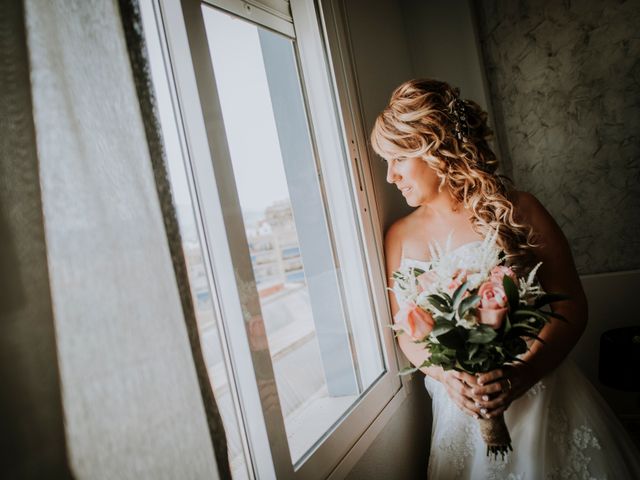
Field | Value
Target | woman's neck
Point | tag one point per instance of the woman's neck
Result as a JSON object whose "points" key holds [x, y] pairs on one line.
{"points": [[443, 206]]}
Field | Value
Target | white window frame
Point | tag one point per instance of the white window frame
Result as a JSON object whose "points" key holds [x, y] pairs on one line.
{"points": [[333, 128]]}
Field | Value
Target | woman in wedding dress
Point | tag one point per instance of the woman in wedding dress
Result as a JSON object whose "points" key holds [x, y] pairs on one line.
{"points": [[437, 154]]}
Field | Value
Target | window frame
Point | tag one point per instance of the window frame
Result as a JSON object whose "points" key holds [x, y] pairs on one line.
{"points": [[184, 31]]}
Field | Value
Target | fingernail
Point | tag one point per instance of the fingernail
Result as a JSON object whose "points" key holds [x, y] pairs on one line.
{"points": [[483, 411], [476, 416], [475, 391], [480, 382], [485, 398], [477, 404]]}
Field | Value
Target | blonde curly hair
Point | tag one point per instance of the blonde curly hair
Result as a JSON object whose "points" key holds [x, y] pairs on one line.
{"points": [[426, 118]]}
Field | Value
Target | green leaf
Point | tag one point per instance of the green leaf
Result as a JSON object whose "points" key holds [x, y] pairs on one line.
{"points": [[516, 346], [417, 271], [506, 326], [481, 357], [468, 303], [408, 370], [531, 313], [442, 326], [457, 295], [452, 339], [440, 303], [411, 369], [548, 298], [511, 290], [482, 334]]}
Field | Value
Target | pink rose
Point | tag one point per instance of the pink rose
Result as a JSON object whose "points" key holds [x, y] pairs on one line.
{"points": [[493, 304], [414, 321], [498, 272], [492, 317], [492, 295], [426, 279], [459, 277]]}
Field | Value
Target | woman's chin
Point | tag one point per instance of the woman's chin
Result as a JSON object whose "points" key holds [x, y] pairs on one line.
{"points": [[412, 203]]}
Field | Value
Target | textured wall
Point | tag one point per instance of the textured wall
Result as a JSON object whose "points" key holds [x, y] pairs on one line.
{"points": [[565, 86]]}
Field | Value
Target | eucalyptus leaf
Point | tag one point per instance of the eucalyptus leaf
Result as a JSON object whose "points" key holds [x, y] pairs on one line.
{"points": [[441, 327], [468, 303], [457, 295], [440, 303], [482, 334], [452, 339]]}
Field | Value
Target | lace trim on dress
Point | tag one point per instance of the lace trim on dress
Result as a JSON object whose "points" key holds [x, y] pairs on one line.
{"points": [[576, 446], [457, 447], [425, 264]]}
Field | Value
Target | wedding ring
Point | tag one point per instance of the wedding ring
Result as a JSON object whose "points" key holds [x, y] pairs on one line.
{"points": [[508, 385]]}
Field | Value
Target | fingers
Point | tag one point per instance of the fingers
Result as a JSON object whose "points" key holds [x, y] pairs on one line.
{"points": [[460, 394], [493, 375], [494, 403], [455, 382], [491, 383], [487, 390], [467, 378], [497, 411], [465, 404]]}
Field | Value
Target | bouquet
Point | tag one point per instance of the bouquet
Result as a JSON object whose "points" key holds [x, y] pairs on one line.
{"points": [[473, 315]]}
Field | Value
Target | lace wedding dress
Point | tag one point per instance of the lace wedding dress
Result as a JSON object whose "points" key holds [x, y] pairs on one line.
{"points": [[560, 429]]}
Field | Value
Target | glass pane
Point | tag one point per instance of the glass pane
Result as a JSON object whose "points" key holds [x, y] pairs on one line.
{"points": [[286, 227], [193, 251]]}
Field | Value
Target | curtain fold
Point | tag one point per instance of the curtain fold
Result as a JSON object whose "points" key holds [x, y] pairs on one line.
{"points": [[32, 441], [132, 24], [99, 353]]}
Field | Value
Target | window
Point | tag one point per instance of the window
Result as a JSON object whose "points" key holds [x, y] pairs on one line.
{"points": [[273, 228]]}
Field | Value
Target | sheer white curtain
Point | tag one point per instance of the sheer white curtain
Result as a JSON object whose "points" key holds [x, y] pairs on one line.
{"points": [[130, 381]]}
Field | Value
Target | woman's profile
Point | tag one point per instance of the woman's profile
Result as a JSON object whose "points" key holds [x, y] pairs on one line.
{"points": [[437, 150]]}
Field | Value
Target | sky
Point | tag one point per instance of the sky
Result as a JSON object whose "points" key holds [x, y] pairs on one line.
{"points": [[247, 112]]}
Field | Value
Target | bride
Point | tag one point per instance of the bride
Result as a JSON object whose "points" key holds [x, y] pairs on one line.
{"points": [[438, 156]]}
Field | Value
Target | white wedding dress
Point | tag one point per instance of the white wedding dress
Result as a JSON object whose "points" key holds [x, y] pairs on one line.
{"points": [[560, 429]]}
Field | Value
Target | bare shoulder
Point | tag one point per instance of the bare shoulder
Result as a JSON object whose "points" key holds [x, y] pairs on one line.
{"points": [[394, 240], [529, 210]]}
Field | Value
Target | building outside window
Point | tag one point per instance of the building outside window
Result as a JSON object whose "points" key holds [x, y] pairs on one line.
{"points": [[277, 235]]}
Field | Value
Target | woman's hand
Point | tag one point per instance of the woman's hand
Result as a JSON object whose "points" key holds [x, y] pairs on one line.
{"points": [[495, 390], [459, 386]]}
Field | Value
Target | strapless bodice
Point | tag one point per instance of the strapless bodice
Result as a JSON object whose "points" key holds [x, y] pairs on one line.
{"points": [[463, 253]]}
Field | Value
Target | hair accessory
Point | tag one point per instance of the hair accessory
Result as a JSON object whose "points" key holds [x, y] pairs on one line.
{"points": [[461, 124]]}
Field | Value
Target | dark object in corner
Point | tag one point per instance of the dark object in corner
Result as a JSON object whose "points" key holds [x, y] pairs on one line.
{"points": [[619, 365]]}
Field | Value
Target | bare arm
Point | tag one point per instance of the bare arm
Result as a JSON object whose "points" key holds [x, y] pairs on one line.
{"points": [[457, 384], [415, 352], [557, 275]]}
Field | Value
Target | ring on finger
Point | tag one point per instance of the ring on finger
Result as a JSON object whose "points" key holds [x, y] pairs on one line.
{"points": [[508, 389]]}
